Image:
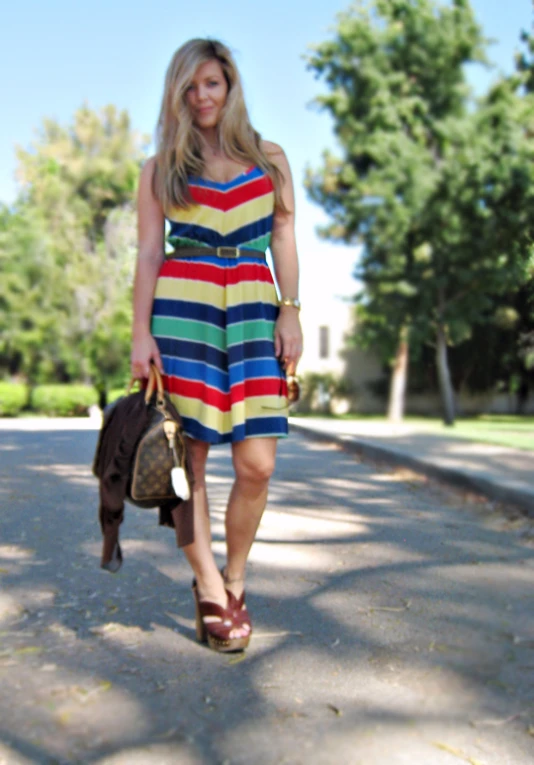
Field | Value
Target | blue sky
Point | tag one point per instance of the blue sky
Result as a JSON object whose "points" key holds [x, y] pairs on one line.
{"points": [[57, 54]]}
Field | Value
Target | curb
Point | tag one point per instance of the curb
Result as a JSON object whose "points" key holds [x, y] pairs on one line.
{"points": [[521, 499]]}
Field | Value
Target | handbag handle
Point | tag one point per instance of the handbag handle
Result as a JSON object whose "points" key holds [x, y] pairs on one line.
{"points": [[155, 382]]}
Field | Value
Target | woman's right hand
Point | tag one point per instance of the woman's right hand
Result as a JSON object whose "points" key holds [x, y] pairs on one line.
{"points": [[144, 350]]}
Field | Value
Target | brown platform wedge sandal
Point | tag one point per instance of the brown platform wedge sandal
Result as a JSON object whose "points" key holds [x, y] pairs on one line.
{"points": [[237, 605], [214, 625]]}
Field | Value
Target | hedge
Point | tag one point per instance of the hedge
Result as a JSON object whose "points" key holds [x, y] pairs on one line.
{"points": [[13, 398], [63, 400]]}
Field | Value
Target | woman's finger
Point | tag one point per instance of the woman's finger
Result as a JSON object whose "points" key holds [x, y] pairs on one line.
{"points": [[277, 345]]}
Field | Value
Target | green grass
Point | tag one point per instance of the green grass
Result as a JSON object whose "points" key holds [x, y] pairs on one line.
{"points": [[506, 430]]}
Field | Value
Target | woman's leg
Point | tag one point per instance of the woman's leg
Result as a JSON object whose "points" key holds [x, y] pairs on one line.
{"points": [[254, 460], [199, 553], [209, 582]]}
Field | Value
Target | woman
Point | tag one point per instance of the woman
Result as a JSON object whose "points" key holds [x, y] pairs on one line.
{"points": [[208, 314]]}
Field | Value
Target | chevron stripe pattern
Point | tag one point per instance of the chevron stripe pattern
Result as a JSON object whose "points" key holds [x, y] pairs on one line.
{"points": [[213, 318]]}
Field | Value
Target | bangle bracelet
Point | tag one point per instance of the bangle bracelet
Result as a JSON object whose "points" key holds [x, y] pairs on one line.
{"points": [[294, 302]]}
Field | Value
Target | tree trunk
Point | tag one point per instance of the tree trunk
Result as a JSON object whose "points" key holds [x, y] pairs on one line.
{"points": [[399, 377], [444, 376]]}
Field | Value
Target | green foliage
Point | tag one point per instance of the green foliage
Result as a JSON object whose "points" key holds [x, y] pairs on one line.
{"points": [[13, 398], [317, 390], [437, 189], [67, 252], [63, 400], [115, 393]]}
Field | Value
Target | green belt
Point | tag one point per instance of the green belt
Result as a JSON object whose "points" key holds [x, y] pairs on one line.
{"points": [[220, 252]]}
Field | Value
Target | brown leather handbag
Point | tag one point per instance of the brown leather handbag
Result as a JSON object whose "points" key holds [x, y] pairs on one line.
{"points": [[158, 471]]}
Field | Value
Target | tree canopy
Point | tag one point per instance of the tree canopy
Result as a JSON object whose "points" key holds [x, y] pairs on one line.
{"points": [[436, 186], [67, 248]]}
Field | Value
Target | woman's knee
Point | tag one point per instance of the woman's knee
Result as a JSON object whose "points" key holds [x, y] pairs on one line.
{"points": [[254, 464]]}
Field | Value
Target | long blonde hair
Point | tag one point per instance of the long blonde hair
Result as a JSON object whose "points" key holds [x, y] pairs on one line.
{"points": [[178, 154]]}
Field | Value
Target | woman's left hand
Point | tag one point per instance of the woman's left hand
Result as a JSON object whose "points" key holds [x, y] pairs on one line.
{"points": [[288, 338]]}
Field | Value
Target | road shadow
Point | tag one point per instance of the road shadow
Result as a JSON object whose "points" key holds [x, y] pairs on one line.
{"points": [[383, 609]]}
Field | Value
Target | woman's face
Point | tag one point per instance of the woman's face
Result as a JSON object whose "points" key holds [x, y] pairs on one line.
{"points": [[206, 95]]}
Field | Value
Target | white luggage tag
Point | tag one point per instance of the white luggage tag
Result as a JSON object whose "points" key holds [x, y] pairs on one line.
{"points": [[179, 483]]}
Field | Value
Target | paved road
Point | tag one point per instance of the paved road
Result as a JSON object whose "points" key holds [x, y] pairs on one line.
{"points": [[499, 472], [394, 623]]}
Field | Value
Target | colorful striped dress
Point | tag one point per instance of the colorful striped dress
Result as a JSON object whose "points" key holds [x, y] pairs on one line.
{"points": [[213, 318]]}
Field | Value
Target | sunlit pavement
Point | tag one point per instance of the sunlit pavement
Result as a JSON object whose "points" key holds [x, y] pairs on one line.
{"points": [[499, 472], [394, 621]]}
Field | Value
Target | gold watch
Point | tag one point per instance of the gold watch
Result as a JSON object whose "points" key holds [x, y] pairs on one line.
{"points": [[294, 302]]}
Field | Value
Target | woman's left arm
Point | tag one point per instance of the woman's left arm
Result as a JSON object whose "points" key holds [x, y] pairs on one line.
{"points": [[288, 332]]}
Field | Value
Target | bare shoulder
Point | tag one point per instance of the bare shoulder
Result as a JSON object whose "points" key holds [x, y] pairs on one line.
{"points": [[276, 155], [147, 171]]}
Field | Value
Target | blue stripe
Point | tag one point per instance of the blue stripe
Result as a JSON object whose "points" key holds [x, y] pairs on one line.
{"points": [[252, 349], [211, 238], [192, 351], [196, 371], [266, 426], [251, 311], [245, 177], [215, 260], [185, 309], [254, 428], [242, 370]]}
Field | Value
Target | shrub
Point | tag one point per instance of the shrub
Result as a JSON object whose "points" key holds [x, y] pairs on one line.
{"points": [[63, 400], [116, 393], [13, 398]]}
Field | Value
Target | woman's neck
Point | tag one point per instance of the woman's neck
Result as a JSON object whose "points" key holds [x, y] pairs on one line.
{"points": [[211, 144]]}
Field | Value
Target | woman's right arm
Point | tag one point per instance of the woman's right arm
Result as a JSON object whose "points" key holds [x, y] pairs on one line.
{"points": [[150, 256]]}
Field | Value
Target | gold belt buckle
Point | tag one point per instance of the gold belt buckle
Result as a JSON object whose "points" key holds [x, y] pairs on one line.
{"points": [[227, 252]]}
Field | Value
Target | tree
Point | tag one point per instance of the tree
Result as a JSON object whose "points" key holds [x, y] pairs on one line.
{"points": [[426, 181], [68, 250]]}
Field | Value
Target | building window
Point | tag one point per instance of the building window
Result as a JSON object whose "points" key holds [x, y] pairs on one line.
{"points": [[324, 342]]}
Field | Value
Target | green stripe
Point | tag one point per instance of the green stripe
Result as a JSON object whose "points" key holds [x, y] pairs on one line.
{"points": [[261, 243], [183, 241], [188, 329], [260, 329]]}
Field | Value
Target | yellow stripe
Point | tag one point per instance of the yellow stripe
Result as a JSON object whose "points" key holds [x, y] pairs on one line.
{"points": [[225, 222], [223, 422], [169, 288]]}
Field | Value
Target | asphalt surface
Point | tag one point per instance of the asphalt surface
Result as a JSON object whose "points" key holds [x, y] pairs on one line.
{"points": [[499, 472], [393, 617]]}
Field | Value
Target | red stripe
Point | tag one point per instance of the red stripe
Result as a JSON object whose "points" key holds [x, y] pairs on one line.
{"points": [[267, 386], [227, 200], [220, 275]]}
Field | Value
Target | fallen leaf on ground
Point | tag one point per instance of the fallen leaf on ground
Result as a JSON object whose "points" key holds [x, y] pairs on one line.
{"points": [[335, 710], [237, 658], [495, 723], [28, 650], [456, 752]]}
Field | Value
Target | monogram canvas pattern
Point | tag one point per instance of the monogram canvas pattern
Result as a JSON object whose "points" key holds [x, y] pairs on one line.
{"points": [[151, 475]]}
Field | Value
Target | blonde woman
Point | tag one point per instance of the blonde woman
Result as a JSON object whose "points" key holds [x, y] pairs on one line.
{"points": [[208, 315]]}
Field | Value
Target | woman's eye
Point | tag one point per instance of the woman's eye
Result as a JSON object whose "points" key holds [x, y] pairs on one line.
{"points": [[213, 83]]}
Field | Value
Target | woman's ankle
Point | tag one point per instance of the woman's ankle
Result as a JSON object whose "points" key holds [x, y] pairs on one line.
{"points": [[234, 582], [210, 587]]}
